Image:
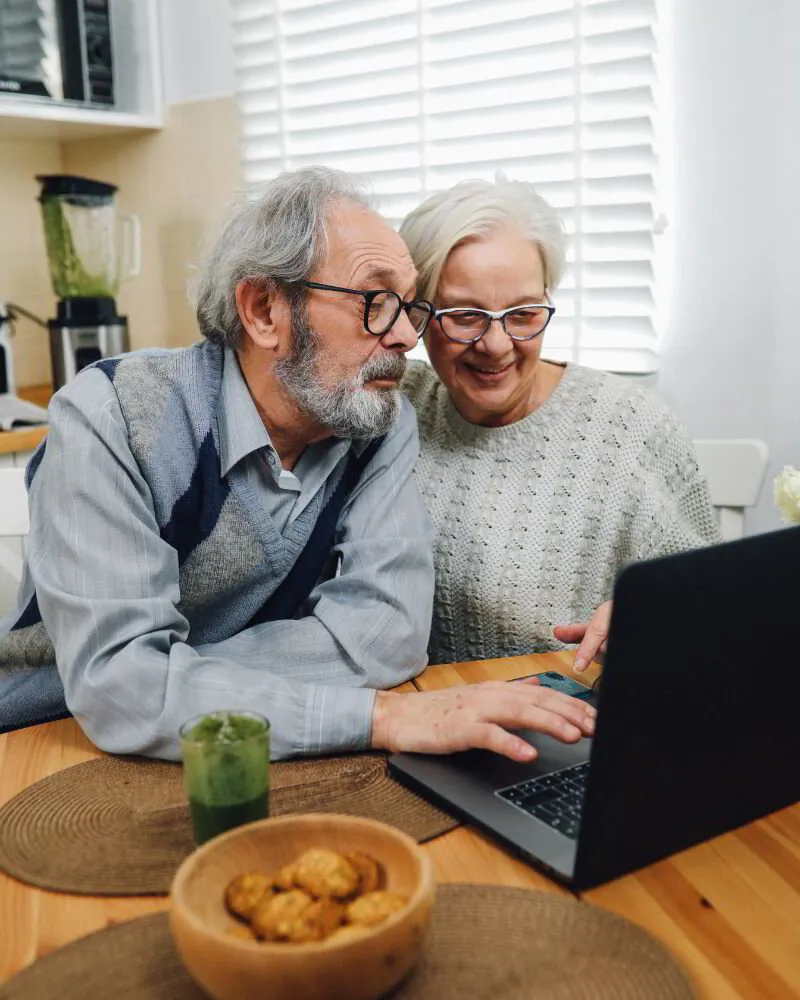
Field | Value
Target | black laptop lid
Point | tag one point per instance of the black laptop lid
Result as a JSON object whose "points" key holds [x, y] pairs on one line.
{"points": [[699, 711]]}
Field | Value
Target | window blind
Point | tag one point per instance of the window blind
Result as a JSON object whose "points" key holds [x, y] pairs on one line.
{"points": [[419, 94]]}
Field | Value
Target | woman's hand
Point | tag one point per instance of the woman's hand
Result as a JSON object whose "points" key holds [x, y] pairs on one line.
{"points": [[591, 635], [478, 716]]}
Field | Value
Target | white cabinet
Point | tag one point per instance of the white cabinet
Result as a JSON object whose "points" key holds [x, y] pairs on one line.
{"points": [[138, 86], [15, 546]]}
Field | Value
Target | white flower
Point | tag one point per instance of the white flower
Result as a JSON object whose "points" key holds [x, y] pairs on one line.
{"points": [[786, 492]]}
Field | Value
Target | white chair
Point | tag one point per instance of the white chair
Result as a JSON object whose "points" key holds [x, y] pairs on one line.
{"points": [[735, 471], [14, 521]]}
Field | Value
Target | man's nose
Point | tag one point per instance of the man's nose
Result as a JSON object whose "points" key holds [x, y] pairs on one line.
{"points": [[401, 336]]}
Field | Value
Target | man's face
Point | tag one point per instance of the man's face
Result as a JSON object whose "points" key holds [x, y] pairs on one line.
{"points": [[342, 376]]}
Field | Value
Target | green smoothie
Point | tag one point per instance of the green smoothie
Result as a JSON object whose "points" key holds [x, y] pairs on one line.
{"points": [[70, 277], [226, 770]]}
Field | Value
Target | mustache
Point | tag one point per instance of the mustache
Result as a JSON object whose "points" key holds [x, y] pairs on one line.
{"points": [[390, 366]]}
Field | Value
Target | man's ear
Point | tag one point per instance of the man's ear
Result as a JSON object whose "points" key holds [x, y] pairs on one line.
{"points": [[264, 313]]}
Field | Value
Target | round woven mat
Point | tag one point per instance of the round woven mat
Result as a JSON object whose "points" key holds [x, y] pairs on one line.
{"points": [[486, 943], [121, 826]]}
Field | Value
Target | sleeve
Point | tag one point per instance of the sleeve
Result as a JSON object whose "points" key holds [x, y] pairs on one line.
{"points": [[108, 589]]}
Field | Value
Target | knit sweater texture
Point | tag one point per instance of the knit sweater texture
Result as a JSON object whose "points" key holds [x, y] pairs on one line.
{"points": [[535, 519]]}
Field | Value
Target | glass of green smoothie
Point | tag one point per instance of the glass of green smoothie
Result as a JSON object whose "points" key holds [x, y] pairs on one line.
{"points": [[225, 770]]}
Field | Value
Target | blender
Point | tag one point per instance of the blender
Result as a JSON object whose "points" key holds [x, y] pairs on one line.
{"points": [[90, 250]]}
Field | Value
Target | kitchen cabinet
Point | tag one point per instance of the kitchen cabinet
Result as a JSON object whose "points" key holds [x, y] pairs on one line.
{"points": [[137, 79]]}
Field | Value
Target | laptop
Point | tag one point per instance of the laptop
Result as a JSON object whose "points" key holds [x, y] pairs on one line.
{"points": [[698, 727]]}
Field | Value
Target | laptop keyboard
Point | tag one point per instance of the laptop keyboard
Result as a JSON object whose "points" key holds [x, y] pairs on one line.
{"points": [[554, 799]]}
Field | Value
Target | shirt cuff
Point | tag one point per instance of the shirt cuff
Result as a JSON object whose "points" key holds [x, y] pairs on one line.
{"points": [[338, 718]]}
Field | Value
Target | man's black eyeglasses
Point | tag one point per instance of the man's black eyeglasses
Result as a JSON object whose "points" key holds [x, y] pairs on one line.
{"points": [[382, 308]]}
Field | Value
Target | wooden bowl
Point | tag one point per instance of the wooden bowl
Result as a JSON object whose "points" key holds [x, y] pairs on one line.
{"points": [[361, 968]]}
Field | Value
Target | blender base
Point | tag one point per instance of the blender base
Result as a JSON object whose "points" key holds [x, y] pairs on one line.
{"points": [[85, 330]]}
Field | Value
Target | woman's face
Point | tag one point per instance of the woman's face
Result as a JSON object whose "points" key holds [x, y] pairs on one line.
{"points": [[491, 382]]}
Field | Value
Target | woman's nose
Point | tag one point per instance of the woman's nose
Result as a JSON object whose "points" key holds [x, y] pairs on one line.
{"points": [[495, 341]]}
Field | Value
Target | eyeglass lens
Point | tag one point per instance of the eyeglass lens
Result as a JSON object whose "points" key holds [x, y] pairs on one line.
{"points": [[384, 308]]}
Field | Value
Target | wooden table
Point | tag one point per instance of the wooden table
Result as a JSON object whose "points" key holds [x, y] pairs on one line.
{"points": [[729, 909]]}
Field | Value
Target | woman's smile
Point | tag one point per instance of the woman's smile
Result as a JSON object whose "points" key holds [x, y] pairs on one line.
{"points": [[486, 373]]}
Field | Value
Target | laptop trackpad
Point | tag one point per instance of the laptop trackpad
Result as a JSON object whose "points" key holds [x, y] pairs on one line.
{"points": [[497, 772]]}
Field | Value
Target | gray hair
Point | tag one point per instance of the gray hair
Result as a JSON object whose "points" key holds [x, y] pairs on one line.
{"points": [[472, 209], [278, 238]]}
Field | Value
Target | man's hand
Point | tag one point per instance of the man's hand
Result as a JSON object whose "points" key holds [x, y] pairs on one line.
{"points": [[591, 635], [478, 716]]}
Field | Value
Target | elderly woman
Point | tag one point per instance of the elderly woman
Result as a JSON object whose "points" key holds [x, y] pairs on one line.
{"points": [[543, 479]]}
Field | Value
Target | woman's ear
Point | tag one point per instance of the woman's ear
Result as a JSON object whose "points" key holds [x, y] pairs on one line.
{"points": [[264, 313]]}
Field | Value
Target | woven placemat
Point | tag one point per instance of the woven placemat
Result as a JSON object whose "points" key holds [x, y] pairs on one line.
{"points": [[486, 943], [121, 826]]}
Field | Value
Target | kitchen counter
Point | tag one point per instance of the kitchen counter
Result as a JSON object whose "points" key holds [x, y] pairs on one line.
{"points": [[27, 440]]}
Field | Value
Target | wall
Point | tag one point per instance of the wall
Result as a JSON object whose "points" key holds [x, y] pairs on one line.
{"points": [[731, 356], [177, 181], [198, 57], [785, 389]]}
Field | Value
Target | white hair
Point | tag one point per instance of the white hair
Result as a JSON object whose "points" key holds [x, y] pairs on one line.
{"points": [[472, 209], [280, 237]]}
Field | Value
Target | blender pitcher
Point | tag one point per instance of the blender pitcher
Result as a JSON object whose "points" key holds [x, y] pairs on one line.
{"points": [[90, 249]]}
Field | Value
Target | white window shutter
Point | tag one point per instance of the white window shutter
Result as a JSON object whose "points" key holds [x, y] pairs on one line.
{"points": [[419, 94]]}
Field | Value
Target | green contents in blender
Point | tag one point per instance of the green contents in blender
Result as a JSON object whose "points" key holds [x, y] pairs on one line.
{"points": [[70, 278], [226, 771]]}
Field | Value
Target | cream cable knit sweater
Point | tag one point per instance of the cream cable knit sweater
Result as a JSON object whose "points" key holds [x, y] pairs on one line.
{"points": [[535, 519]]}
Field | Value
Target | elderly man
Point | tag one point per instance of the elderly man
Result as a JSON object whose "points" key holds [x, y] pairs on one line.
{"points": [[234, 525]]}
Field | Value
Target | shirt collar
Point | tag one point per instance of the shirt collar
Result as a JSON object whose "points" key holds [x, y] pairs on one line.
{"points": [[241, 429]]}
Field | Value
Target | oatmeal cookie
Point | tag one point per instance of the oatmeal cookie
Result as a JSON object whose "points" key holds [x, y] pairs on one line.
{"points": [[246, 892], [277, 917], [325, 873], [374, 907]]}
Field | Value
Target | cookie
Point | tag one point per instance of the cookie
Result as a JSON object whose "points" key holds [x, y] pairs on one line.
{"points": [[325, 873], [276, 917], [246, 892], [374, 907], [370, 873]]}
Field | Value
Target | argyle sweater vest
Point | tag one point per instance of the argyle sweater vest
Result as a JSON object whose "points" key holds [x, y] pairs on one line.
{"points": [[235, 568]]}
